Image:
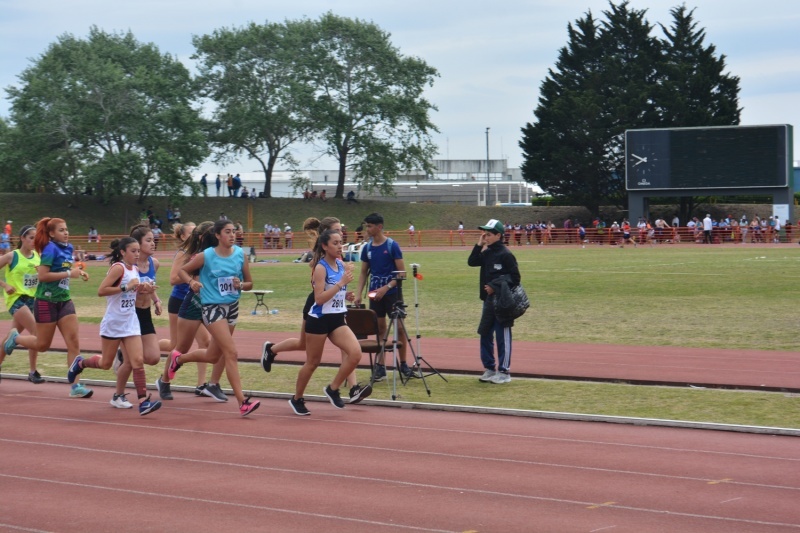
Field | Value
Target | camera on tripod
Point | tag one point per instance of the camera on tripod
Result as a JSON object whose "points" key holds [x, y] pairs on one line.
{"points": [[399, 307]]}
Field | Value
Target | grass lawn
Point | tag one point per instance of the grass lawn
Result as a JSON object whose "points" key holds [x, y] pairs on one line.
{"points": [[694, 296]]}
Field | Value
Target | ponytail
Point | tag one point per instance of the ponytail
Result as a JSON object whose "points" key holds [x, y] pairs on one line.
{"points": [[43, 229]]}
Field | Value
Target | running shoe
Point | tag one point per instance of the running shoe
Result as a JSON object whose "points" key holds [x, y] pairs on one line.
{"points": [[120, 402], [35, 377], [267, 356], [406, 371], [299, 407], [117, 360], [163, 389], [198, 391], [379, 374], [487, 376], [501, 377], [334, 397], [248, 407], [213, 390], [79, 391], [358, 392], [147, 407], [74, 370], [174, 365], [10, 343]]}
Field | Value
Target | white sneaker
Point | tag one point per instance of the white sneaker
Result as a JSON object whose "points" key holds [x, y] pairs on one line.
{"points": [[501, 377], [120, 402], [487, 376]]}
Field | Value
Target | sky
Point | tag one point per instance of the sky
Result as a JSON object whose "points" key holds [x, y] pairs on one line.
{"points": [[491, 56]]}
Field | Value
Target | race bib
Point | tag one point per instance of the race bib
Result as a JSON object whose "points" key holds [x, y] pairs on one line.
{"points": [[30, 281], [64, 284], [128, 301], [225, 286]]}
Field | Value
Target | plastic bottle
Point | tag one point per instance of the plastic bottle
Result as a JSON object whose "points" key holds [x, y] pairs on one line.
{"points": [[273, 311]]}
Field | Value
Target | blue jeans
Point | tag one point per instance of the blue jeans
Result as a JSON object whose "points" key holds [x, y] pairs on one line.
{"points": [[503, 335]]}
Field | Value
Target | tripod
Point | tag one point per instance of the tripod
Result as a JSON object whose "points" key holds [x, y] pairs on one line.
{"points": [[397, 314]]}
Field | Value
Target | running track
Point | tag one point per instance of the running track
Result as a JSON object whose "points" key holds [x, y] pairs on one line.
{"points": [[78, 465], [669, 365]]}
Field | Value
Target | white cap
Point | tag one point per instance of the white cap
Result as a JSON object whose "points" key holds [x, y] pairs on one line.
{"points": [[8, 221]]}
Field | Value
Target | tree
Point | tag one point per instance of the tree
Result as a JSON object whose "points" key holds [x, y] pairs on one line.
{"points": [[612, 77], [367, 101], [110, 113], [696, 91], [249, 74]]}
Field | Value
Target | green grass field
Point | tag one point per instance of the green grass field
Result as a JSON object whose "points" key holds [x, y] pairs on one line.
{"points": [[693, 296]]}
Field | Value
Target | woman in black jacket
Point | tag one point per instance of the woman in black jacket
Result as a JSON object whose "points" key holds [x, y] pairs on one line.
{"points": [[498, 267]]}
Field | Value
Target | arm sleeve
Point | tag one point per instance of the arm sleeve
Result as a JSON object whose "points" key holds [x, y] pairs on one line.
{"points": [[474, 259]]}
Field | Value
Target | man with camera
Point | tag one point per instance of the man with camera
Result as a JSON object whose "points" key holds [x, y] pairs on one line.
{"points": [[498, 267], [380, 259]]}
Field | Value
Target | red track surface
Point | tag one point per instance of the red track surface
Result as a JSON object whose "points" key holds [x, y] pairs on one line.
{"points": [[80, 465], [656, 364]]}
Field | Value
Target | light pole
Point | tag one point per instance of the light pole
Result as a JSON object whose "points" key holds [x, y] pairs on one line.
{"points": [[487, 167]]}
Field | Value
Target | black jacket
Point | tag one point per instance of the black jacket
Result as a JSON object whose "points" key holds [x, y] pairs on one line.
{"points": [[495, 262]]}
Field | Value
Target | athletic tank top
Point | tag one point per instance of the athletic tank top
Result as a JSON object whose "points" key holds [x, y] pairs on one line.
{"points": [[337, 303], [22, 275], [120, 318], [217, 276]]}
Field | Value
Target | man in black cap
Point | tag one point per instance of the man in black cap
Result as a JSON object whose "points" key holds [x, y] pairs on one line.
{"points": [[498, 266]]}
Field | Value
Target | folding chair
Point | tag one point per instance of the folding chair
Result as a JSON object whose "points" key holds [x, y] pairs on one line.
{"points": [[364, 324]]}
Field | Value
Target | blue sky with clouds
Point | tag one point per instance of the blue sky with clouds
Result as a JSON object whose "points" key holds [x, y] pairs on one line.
{"points": [[492, 56]]}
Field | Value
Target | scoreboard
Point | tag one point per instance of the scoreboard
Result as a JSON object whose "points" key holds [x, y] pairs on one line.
{"points": [[708, 158]]}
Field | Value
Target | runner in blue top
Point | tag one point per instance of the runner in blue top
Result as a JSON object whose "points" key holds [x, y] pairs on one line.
{"points": [[181, 232], [326, 320], [224, 273], [53, 307]]}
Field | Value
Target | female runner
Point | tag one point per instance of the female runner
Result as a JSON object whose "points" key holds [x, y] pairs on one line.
{"points": [[190, 319], [312, 227], [19, 288], [181, 232], [53, 307], [120, 324], [224, 273], [146, 297], [326, 320]]}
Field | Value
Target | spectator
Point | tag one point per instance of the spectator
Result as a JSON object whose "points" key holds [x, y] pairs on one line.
{"points": [[219, 184], [222, 216], [412, 234], [288, 236], [238, 232], [176, 215], [253, 194], [169, 215], [499, 272], [344, 234], [707, 228], [230, 185], [245, 193], [323, 196], [204, 184], [237, 184], [313, 195], [93, 237], [157, 234], [306, 194], [351, 198]]}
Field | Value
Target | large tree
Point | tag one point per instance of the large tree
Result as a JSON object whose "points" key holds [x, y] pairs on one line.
{"points": [[614, 76], [249, 75], [368, 102], [110, 113]]}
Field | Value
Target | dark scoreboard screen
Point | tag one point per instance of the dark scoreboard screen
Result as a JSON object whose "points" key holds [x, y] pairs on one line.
{"points": [[708, 158]]}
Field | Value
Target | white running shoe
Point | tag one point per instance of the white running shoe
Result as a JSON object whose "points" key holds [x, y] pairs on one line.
{"points": [[120, 402], [487, 376], [501, 377]]}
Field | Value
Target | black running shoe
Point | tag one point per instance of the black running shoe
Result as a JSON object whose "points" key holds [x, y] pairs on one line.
{"points": [[299, 407], [267, 356], [358, 392], [213, 390], [164, 389], [198, 391], [35, 377], [334, 397]]}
